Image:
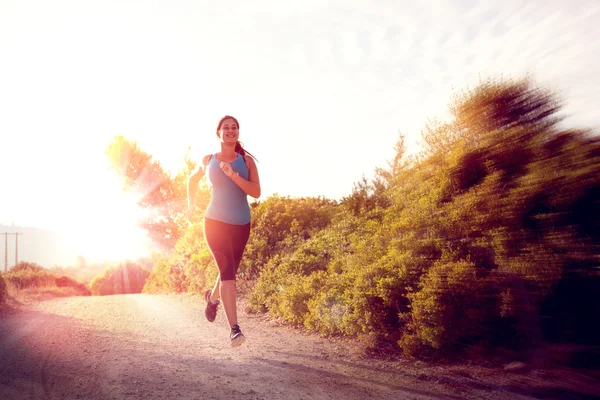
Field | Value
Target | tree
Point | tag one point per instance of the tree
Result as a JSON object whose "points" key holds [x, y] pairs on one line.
{"points": [[489, 234], [163, 196], [496, 105]]}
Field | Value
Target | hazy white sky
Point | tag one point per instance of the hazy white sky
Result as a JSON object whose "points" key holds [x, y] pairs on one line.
{"points": [[321, 88]]}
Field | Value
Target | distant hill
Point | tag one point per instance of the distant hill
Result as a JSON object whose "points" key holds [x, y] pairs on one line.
{"points": [[40, 246]]}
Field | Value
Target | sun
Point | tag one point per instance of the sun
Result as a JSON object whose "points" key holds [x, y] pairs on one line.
{"points": [[108, 229]]}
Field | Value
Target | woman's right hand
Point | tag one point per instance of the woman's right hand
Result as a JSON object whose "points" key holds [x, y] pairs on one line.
{"points": [[227, 170]]}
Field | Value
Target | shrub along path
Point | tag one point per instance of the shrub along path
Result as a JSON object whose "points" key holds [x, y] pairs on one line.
{"points": [[160, 346]]}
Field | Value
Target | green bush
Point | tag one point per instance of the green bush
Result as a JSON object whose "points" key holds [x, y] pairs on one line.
{"points": [[29, 275], [279, 225], [461, 245], [189, 268], [127, 277], [65, 281], [468, 243]]}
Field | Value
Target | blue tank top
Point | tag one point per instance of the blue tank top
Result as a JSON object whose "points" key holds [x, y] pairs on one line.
{"points": [[228, 202]]}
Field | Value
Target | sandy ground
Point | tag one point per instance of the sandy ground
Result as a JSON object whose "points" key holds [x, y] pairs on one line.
{"points": [[161, 347]]}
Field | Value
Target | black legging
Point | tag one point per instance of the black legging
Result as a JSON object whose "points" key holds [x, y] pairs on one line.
{"points": [[226, 243]]}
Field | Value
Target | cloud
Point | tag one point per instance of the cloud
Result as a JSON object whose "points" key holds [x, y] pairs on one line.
{"points": [[442, 44], [325, 75], [396, 64]]}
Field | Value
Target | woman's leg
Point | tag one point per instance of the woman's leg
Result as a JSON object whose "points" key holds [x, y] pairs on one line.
{"points": [[238, 235], [228, 300], [239, 238], [218, 238], [226, 243], [215, 292]]}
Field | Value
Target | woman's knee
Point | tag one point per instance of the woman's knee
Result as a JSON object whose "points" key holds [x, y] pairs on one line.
{"points": [[228, 283], [228, 275], [225, 264]]}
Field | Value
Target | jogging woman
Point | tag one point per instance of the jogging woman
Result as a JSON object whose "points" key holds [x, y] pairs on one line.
{"points": [[233, 176]]}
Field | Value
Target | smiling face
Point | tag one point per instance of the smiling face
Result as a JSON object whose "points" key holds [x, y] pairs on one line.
{"points": [[228, 131]]}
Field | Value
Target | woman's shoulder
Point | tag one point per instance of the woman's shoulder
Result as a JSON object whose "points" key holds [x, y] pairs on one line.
{"points": [[206, 159], [249, 161]]}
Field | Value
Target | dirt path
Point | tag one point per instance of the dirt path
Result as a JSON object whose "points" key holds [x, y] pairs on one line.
{"points": [[161, 347]]}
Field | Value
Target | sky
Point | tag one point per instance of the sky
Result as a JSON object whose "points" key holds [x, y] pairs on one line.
{"points": [[322, 89]]}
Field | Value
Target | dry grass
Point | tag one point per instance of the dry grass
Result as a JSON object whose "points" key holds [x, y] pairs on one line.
{"points": [[34, 294], [28, 283]]}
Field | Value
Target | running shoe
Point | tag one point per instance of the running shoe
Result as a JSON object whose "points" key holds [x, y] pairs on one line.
{"points": [[211, 309], [237, 337]]}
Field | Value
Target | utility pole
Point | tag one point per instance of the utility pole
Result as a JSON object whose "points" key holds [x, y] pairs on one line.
{"points": [[6, 249], [17, 248]]}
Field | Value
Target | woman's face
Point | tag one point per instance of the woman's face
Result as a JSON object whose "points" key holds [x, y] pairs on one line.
{"points": [[229, 132]]}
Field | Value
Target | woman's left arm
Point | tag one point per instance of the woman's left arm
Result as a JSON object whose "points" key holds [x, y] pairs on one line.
{"points": [[252, 185]]}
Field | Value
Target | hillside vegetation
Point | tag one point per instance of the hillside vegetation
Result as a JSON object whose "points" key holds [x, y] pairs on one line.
{"points": [[84, 271], [29, 280], [488, 238]]}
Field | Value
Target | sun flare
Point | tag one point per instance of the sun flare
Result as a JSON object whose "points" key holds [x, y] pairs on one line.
{"points": [[108, 229]]}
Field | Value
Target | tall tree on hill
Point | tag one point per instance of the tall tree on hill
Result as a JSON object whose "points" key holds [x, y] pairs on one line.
{"points": [[163, 196]]}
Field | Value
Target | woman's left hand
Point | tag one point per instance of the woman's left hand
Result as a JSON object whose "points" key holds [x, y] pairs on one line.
{"points": [[227, 170]]}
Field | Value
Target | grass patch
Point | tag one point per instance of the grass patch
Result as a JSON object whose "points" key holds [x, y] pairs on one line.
{"points": [[28, 282], [34, 294]]}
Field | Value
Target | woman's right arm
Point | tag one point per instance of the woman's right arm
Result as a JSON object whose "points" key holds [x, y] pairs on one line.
{"points": [[192, 184]]}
